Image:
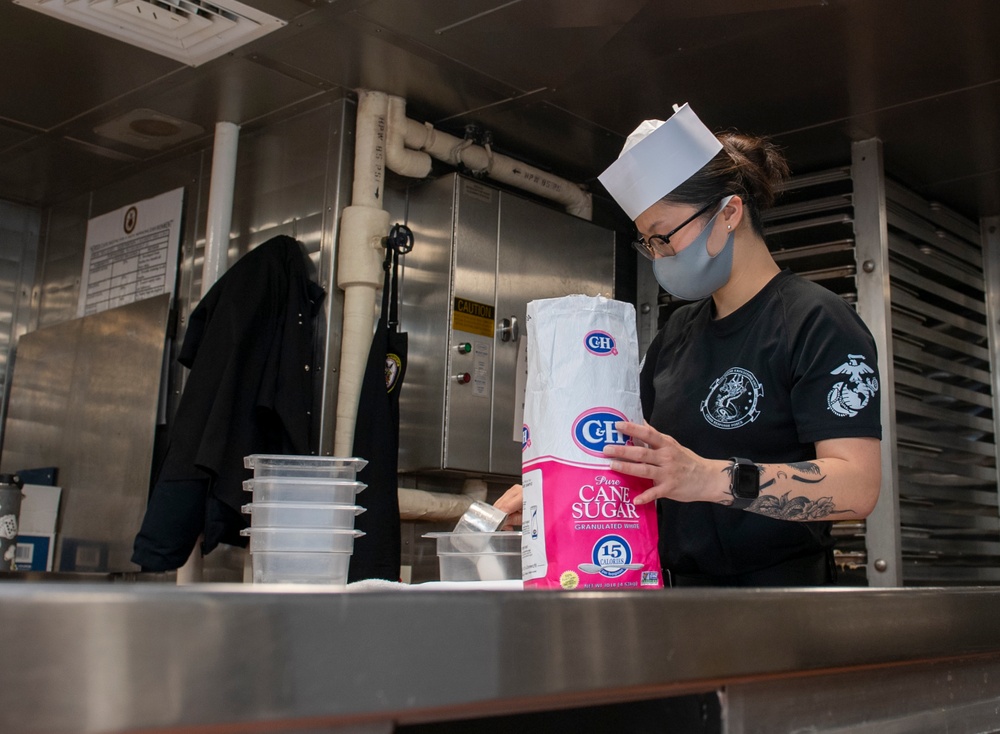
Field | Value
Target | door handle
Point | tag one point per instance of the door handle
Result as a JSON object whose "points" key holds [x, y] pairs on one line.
{"points": [[508, 329]]}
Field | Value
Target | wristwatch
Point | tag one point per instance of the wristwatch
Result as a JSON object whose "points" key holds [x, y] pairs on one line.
{"points": [[744, 483]]}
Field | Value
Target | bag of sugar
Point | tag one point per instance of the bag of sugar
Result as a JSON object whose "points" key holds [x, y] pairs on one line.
{"points": [[580, 527]]}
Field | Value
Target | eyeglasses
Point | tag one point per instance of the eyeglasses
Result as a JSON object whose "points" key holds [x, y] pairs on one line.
{"points": [[658, 245]]}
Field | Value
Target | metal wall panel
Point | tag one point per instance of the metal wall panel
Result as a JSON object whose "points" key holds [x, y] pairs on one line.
{"points": [[341, 120], [289, 180], [490, 247], [474, 278], [19, 236], [84, 398], [426, 291]]}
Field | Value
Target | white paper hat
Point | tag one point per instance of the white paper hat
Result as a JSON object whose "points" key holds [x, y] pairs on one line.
{"points": [[657, 158]]}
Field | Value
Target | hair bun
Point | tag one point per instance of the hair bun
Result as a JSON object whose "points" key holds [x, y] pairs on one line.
{"points": [[760, 163]]}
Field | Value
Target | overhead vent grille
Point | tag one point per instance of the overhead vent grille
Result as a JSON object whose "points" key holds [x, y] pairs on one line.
{"points": [[190, 31]]}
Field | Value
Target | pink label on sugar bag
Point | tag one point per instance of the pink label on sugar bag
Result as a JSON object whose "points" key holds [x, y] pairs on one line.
{"points": [[582, 530]]}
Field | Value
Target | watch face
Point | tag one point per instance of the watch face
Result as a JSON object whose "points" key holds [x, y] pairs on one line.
{"points": [[746, 481]]}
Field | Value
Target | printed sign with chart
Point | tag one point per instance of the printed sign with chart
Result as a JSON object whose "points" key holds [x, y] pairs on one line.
{"points": [[131, 253]]}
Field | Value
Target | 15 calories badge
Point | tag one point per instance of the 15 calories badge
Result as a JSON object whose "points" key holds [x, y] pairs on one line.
{"points": [[600, 343]]}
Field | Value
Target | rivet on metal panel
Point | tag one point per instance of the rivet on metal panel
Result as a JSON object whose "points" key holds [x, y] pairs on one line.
{"points": [[645, 308], [868, 266], [881, 565]]}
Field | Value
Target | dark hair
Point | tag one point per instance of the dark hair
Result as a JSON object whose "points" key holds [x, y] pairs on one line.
{"points": [[749, 166]]}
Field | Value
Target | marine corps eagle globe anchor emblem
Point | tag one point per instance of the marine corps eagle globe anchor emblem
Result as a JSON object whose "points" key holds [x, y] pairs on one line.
{"points": [[849, 396]]}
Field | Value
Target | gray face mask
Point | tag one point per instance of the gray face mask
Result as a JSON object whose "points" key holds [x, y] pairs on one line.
{"points": [[693, 274]]}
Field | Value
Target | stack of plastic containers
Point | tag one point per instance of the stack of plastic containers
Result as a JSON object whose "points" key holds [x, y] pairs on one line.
{"points": [[302, 517]]}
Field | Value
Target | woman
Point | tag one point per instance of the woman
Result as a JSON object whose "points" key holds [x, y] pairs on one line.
{"points": [[761, 396]]}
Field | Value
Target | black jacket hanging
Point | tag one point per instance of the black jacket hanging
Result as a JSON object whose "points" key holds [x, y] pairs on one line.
{"points": [[249, 346], [376, 438]]}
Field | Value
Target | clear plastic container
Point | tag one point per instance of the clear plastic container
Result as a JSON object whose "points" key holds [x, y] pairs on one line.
{"points": [[302, 515], [287, 489], [308, 540], [501, 541], [479, 566], [283, 567], [316, 467], [478, 556]]}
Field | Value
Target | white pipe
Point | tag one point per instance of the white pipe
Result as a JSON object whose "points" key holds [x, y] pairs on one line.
{"points": [[215, 261], [475, 488], [417, 504], [220, 203], [359, 260], [448, 148], [398, 158]]}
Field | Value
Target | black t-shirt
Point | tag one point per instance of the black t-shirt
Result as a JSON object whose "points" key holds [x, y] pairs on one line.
{"points": [[792, 366]]}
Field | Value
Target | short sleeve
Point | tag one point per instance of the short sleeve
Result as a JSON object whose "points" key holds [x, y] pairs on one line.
{"points": [[834, 373]]}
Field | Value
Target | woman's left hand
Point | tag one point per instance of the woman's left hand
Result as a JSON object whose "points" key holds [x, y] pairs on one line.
{"points": [[677, 472]]}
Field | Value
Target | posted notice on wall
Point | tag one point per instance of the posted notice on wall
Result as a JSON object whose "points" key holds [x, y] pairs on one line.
{"points": [[131, 253]]}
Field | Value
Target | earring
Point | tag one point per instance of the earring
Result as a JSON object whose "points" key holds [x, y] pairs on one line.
{"points": [[729, 226]]}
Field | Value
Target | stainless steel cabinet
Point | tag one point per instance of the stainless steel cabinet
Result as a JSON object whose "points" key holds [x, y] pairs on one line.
{"points": [[480, 255]]}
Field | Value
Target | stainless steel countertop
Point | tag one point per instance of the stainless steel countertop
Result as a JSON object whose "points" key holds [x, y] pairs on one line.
{"points": [[121, 657]]}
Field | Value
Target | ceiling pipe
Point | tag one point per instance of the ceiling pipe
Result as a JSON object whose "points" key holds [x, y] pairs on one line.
{"points": [[424, 138], [398, 158]]}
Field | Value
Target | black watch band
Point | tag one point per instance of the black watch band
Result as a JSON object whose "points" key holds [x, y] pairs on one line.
{"points": [[744, 483]]}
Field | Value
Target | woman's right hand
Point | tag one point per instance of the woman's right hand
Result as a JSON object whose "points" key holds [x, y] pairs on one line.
{"points": [[511, 502]]}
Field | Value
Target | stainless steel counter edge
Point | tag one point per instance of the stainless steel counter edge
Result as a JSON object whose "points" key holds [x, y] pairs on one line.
{"points": [[108, 658]]}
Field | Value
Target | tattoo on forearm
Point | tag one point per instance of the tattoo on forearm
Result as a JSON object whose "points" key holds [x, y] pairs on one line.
{"points": [[806, 467], [795, 508]]}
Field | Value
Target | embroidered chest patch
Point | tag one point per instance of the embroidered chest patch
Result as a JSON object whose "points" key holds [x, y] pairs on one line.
{"points": [[732, 400]]}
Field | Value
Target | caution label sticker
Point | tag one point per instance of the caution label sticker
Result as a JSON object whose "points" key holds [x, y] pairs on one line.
{"points": [[473, 317]]}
